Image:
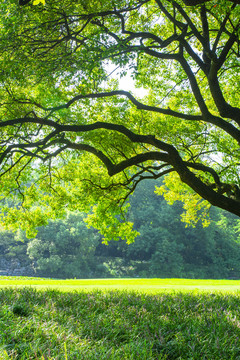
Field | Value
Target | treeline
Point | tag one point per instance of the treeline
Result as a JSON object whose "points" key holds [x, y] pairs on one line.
{"points": [[166, 248]]}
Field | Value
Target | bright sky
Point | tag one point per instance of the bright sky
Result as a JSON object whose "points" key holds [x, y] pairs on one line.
{"points": [[126, 82]]}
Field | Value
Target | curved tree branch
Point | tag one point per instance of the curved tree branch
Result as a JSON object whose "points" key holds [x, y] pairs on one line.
{"points": [[193, 47]]}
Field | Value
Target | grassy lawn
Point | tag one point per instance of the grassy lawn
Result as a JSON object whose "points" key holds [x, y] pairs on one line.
{"points": [[163, 319], [143, 285]]}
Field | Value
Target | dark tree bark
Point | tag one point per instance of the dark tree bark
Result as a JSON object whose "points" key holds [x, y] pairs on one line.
{"points": [[24, 2]]}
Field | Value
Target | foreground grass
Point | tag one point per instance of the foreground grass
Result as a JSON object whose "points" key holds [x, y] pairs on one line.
{"points": [[117, 324]]}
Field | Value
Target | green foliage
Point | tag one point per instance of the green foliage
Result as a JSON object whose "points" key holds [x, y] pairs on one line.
{"points": [[71, 139], [36, 2], [12, 246], [171, 249], [64, 248], [195, 208], [165, 247], [167, 260]]}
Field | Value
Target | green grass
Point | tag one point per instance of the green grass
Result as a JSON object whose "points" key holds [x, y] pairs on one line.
{"points": [[145, 285], [115, 322]]}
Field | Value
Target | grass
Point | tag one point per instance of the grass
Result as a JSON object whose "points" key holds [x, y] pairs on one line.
{"points": [[119, 323], [145, 285]]}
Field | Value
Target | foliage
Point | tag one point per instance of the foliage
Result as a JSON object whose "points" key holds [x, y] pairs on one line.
{"points": [[72, 138], [112, 325], [36, 2], [12, 246], [65, 248], [167, 248]]}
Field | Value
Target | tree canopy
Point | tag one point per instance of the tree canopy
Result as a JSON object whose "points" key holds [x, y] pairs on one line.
{"points": [[71, 137]]}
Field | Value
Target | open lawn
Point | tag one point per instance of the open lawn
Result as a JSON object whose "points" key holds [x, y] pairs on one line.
{"points": [[162, 319], [143, 285]]}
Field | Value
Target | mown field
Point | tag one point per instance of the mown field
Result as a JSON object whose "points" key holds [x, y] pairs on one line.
{"points": [[143, 285], [119, 319]]}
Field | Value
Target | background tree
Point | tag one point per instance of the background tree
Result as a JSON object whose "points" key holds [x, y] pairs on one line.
{"points": [[71, 138], [168, 248], [64, 248]]}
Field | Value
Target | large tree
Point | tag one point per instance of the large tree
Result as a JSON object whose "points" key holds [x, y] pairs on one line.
{"points": [[71, 137]]}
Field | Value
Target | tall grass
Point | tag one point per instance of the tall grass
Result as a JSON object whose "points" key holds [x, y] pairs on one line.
{"points": [[118, 325]]}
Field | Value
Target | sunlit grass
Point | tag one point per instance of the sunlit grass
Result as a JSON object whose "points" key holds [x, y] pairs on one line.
{"points": [[143, 285]]}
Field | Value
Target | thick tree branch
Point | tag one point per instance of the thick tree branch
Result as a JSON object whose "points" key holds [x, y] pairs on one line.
{"points": [[82, 42], [24, 2], [205, 191], [206, 37], [174, 159], [225, 109], [222, 29], [227, 48], [189, 22], [137, 103], [205, 169], [207, 116]]}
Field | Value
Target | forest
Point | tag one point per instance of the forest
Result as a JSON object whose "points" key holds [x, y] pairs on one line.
{"points": [[165, 247]]}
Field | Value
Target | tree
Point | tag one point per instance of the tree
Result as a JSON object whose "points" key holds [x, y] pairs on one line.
{"points": [[64, 248], [71, 138], [167, 248]]}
